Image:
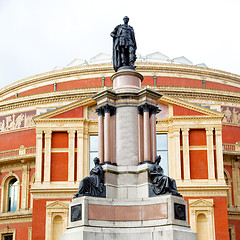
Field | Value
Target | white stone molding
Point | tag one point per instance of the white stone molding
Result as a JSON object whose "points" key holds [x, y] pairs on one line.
{"points": [[71, 155], [177, 155], [25, 186], [171, 154], [210, 153], [186, 160], [5, 190], [219, 153], [205, 207], [47, 156], [53, 209], [7, 231], [39, 150], [236, 183], [232, 231], [33, 180], [30, 233], [80, 154], [229, 184]]}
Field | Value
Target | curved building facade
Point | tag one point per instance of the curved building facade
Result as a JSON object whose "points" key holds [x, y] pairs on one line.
{"points": [[49, 133]]}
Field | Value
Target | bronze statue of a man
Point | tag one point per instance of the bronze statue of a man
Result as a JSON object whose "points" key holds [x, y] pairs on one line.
{"points": [[124, 46]]}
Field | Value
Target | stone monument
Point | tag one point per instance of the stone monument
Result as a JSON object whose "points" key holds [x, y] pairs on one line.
{"points": [[135, 200]]}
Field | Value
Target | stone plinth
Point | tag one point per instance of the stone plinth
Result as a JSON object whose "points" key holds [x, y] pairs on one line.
{"points": [[126, 81], [163, 217]]}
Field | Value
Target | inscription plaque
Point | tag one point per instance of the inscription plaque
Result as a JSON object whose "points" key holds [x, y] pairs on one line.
{"points": [[179, 211], [76, 213]]}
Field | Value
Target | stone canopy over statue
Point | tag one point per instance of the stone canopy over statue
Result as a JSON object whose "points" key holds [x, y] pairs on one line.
{"points": [[124, 46]]}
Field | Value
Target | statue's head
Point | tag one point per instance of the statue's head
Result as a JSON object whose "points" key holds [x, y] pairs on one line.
{"points": [[158, 159], [96, 160], [126, 19]]}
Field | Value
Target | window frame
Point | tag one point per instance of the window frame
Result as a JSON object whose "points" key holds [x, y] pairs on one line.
{"points": [[5, 192]]}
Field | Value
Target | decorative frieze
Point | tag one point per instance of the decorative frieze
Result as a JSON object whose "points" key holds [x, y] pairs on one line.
{"points": [[16, 121]]}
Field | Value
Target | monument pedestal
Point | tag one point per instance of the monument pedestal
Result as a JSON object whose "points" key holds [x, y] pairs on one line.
{"points": [[156, 218], [127, 142]]}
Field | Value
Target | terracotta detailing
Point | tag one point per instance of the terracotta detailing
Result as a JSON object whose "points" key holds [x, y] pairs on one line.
{"points": [[140, 137], [197, 137], [148, 80], [236, 224], [39, 217], [43, 89], [230, 134], [14, 140], [198, 164], [59, 140], [229, 169], [182, 111], [59, 166], [21, 229], [74, 113], [127, 213], [81, 83]]}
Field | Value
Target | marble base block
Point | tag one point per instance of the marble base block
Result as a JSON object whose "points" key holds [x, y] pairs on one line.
{"points": [[162, 217]]}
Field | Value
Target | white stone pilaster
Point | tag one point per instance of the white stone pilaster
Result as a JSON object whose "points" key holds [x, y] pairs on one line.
{"points": [[186, 160], [71, 155], [25, 186], [219, 153], [39, 150], [210, 153], [177, 155], [47, 156], [80, 155]]}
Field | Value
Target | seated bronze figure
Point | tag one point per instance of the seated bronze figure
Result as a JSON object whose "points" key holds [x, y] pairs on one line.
{"points": [[92, 185], [161, 183]]}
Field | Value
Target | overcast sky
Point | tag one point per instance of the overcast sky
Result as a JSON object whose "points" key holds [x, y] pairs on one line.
{"points": [[38, 35]]}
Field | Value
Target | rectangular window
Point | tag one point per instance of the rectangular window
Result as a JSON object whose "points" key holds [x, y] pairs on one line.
{"points": [[8, 237], [162, 149], [93, 149]]}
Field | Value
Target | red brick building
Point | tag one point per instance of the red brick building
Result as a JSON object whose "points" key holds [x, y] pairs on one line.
{"points": [[49, 128]]}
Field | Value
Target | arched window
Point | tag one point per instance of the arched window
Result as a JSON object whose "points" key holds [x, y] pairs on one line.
{"points": [[12, 195]]}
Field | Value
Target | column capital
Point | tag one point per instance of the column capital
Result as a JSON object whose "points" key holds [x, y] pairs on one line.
{"points": [[218, 129], [48, 133], [209, 131], [176, 133], [148, 108], [71, 133], [100, 111], [185, 131]]}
